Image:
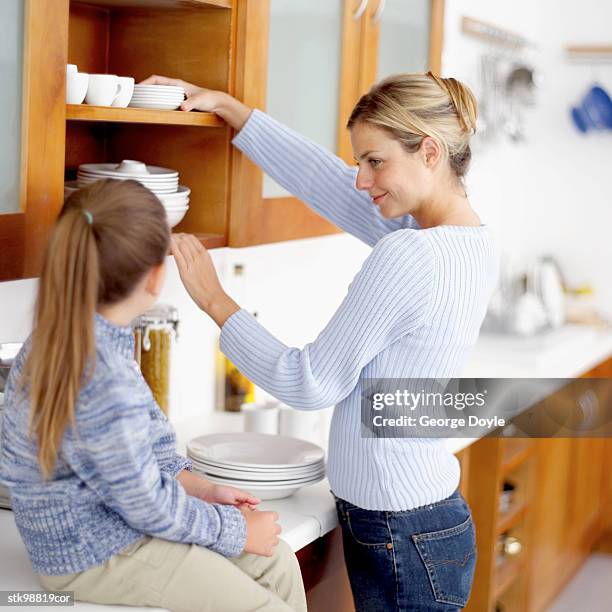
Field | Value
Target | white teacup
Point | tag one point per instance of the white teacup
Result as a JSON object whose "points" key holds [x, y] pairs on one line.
{"points": [[259, 418], [76, 87], [127, 89], [103, 89], [132, 166]]}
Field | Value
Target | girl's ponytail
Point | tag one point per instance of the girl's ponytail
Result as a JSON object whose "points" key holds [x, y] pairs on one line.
{"points": [[63, 339], [107, 238]]}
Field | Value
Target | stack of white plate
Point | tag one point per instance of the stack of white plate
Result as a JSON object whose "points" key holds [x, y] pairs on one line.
{"points": [[267, 466], [163, 97], [163, 182]]}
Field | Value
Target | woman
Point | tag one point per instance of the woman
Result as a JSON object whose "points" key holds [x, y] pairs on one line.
{"points": [[413, 311], [104, 504]]}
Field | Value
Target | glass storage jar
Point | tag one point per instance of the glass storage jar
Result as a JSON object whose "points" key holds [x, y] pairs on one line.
{"points": [[154, 332]]}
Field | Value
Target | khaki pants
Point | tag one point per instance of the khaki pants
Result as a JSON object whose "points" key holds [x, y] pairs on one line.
{"points": [[189, 578]]}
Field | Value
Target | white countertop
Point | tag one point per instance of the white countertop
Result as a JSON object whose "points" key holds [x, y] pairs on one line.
{"points": [[310, 513]]}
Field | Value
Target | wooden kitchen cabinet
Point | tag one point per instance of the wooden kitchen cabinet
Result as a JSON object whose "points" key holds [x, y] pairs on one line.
{"points": [[220, 44], [564, 509], [256, 218]]}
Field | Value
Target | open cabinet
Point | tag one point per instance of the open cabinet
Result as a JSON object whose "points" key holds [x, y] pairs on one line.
{"points": [[307, 62], [219, 44]]}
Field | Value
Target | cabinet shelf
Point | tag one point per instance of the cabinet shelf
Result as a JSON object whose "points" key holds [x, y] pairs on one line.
{"points": [[514, 456], [509, 519], [505, 575], [85, 112], [226, 4], [212, 241]]}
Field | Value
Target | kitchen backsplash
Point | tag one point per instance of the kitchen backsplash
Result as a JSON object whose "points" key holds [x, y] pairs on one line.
{"points": [[294, 287]]}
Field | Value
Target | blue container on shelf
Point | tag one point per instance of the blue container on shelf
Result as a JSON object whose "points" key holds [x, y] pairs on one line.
{"points": [[594, 112]]}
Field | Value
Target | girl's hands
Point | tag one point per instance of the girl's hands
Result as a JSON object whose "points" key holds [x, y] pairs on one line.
{"points": [[229, 496], [199, 276], [262, 531]]}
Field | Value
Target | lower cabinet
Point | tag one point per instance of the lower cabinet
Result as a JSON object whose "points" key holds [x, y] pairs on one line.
{"points": [[540, 506]]}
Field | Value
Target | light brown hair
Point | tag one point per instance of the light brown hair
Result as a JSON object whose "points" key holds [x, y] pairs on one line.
{"points": [[107, 237], [413, 106]]}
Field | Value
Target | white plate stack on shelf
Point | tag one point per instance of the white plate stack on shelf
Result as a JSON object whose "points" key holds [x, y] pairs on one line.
{"points": [[163, 182], [160, 97], [267, 466]]}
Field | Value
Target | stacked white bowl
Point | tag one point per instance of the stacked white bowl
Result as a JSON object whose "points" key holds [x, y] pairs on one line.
{"points": [[162, 97], [265, 465], [163, 182]]}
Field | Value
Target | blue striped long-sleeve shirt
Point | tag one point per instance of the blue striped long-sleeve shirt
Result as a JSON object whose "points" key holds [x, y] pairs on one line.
{"points": [[115, 476], [414, 310]]}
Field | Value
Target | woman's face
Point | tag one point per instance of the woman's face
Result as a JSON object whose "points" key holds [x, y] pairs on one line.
{"points": [[397, 181]]}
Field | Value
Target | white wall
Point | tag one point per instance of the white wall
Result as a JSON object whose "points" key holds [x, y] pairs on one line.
{"points": [[294, 287], [552, 193], [548, 195]]}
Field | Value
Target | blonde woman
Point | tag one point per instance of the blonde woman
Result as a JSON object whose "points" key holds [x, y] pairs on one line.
{"points": [[413, 311], [104, 504]]}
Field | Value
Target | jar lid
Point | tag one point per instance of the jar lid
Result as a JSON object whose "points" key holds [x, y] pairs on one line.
{"points": [[160, 314]]}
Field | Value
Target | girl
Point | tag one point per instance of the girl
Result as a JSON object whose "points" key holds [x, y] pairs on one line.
{"points": [[104, 504], [412, 312]]}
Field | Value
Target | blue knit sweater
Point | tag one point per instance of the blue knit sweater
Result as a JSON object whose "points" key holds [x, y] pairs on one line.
{"points": [[115, 477], [414, 310]]}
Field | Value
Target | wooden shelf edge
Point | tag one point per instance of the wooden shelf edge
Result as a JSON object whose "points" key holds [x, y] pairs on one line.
{"points": [[513, 461], [511, 518], [84, 112], [223, 4], [589, 49], [212, 241]]}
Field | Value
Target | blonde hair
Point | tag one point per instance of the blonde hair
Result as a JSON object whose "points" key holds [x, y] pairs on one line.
{"points": [[107, 237], [413, 106]]}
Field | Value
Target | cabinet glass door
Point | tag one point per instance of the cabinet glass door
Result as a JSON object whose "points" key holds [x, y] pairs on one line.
{"points": [[11, 69], [404, 36], [304, 56]]}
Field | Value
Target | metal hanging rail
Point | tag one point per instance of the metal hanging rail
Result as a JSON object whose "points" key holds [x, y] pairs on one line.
{"points": [[492, 34]]}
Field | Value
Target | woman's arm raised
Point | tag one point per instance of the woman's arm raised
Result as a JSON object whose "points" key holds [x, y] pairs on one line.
{"points": [[307, 170]]}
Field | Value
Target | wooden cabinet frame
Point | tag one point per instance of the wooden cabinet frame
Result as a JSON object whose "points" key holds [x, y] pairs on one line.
{"points": [[253, 218], [23, 234], [240, 216]]}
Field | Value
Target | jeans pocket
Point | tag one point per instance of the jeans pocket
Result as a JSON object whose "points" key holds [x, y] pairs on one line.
{"points": [[368, 527], [449, 557]]}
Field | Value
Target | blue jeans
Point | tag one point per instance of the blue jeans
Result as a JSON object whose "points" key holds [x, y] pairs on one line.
{"points": [[417, 560]]}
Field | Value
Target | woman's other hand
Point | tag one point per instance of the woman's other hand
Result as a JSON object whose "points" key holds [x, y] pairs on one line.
{"points": [[199, 276], [228, 108], [262, 531]]}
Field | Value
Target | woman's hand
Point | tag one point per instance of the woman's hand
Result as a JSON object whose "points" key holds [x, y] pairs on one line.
{"points": [[262, 531], [200, 278], [228, 108]]}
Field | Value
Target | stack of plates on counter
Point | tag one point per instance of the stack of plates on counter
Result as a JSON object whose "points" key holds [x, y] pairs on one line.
{"points": [[267, 466], [162, 97], [163, 182]]}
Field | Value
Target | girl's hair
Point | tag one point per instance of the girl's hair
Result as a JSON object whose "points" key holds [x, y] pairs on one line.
{"points": [[412, 106], [107, 237]]}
